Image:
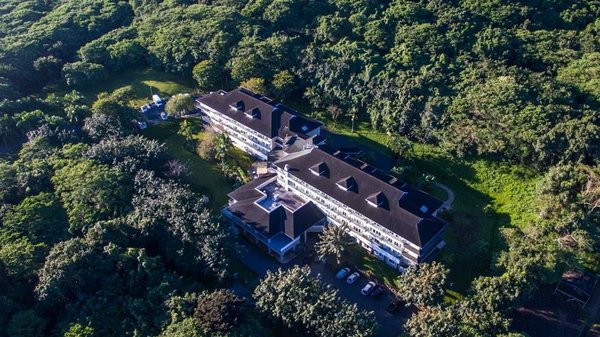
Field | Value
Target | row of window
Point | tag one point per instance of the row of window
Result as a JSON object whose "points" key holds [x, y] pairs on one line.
{"points": [[335, 210], [236, 127]]}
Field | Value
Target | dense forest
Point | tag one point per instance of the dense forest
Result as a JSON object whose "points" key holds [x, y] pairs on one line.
{"points": [[100, 237]]}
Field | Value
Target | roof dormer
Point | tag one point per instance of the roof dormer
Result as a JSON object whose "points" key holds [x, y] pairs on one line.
{"points": [[239, 105], [320, 169], [347, 184], [254, 113], [378, 200]]}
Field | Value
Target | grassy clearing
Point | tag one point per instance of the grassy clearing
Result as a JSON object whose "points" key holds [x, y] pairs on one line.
{"points": [[144, 82], [204, 176], [489, 196]]}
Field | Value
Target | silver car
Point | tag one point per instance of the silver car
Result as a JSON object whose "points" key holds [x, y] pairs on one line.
{"points": [[352, 278], [366, 290]]}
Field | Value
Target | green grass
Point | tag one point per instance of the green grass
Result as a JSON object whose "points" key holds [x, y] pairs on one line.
{"points": [[204, 176], [143, 81], [489, 195]]}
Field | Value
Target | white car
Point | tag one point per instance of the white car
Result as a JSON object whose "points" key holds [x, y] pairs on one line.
{"points": [[366, 290], [343, 272], [164, 116], [352, 278]]}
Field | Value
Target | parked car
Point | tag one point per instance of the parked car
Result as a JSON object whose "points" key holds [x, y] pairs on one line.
{"points": [[377, 292], [352, 278], [142, 125], [393, 306], [342, 273], [367, 289], [164, 116]]}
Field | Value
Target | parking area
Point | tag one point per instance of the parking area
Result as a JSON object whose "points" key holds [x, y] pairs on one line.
{"points": [[390, 324]]}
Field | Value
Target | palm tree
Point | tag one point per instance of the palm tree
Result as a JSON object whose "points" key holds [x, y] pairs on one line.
{"points": [[334, 242], [222, 147]]}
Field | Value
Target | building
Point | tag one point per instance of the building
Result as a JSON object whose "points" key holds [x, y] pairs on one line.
{"points": [[269, 214], [311, 185], [255, 123]]}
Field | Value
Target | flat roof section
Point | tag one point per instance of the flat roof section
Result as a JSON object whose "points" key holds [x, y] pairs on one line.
{"points": [[278, 196]]}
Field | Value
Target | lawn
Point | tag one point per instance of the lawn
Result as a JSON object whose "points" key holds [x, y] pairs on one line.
{"points": [[489, 196], [204, 176], [143, 81]]}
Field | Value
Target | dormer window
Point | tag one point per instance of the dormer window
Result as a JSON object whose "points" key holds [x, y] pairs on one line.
{"points": [[254, 113], [239, 106], [377, 200], [347, 184], [320, 169]]}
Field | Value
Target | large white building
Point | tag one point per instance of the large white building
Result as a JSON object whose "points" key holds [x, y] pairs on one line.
{"points": [[312, 184], [255, 123]]}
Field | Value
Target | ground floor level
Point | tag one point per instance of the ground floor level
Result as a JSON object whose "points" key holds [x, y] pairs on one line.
{"points": [[280, 247]]}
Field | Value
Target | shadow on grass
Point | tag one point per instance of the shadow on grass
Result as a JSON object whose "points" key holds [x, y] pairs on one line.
{"points": [[204, 176]]}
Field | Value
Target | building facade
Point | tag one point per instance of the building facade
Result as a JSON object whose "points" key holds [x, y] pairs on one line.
{"points": [[311, 184]]}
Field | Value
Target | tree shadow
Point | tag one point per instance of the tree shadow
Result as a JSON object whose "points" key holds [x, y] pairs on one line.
{"points": [[473, 235]]}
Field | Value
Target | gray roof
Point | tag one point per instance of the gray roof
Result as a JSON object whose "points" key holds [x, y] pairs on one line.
{"points": [[259, 113], [399, 206]]}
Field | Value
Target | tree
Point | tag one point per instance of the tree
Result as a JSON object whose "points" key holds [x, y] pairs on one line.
{"points": [[207, 75], [20, 257], [583, 74], [186, 131], [175, 220], [114, 105], [79, 330], [8, 128], [434, 321], [40, 218], [90, 192], [8, 183], [334, 242], [26, 324], [314, 307], [81, 74], [255, 84], [400, 146], [223, 147], [423, 285], [129, 154], [100, 126], [219, 311], [334, 112], [185, 328], [206, 146], [179, 105], [283, 83]]}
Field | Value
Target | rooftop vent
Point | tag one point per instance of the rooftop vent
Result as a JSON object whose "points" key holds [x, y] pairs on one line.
{"points": [[347, 184], [304, 128], [424, 209], [320, 169], [377, 200]]}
